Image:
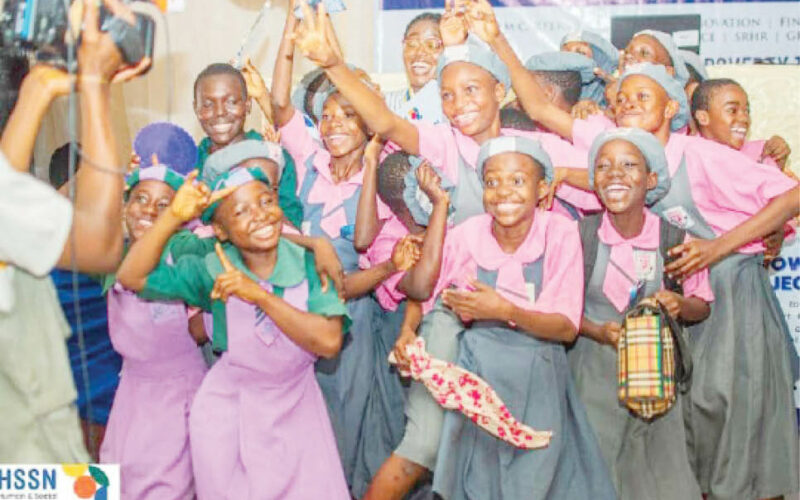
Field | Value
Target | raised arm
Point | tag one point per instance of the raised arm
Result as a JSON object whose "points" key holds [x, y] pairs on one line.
{"points": [[367, 223], [482, 22], [405, 254], [145, 254], [282, 74], [419, 282], [314, 39], [699, 254]]}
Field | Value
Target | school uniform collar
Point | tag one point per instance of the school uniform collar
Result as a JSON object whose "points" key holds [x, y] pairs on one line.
{"points": [[647, 239], [487, 252], [289, 268]]}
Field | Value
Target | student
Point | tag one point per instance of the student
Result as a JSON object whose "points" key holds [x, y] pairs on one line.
{"points": [[258, 424], [330, 176], [647, 459], [728, 201], [221, 104], [722, 112], [473, 83], [148, 429], [518, 278], [384, 423], [564, 76], [602, 52], [422, 45]]}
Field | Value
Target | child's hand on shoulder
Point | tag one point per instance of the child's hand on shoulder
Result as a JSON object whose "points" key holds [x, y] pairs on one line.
{"points": [[431, 184], [234, 282], [407, 252]]}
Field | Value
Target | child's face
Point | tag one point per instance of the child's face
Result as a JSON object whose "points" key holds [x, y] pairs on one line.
{"points": [[621, 178], [728, 117], [341, 128], [471, 98], [421, 48], [645, 48], [250, 218], [221, 108], [642, 103], [582, 48], [268, 167], [513, 184], [147, 200]]}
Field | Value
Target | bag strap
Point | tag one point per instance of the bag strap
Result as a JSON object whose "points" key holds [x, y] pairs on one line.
{"points": [[670, 236], [587, 227]]}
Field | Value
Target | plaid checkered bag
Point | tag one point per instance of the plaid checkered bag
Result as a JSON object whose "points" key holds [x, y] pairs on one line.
{"points": [[650, 361]]}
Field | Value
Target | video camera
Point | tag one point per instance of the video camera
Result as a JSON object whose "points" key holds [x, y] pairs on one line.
{"points": [[39, 27]]}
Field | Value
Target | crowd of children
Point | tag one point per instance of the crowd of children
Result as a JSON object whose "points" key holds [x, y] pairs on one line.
{"points": [[510, 214]]}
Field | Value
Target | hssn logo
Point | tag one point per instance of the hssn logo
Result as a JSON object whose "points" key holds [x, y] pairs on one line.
{"points": [[30, 479]]}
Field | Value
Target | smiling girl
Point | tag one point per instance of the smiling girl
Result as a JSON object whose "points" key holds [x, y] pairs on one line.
{"points": [[518, 279], [647, 459], [729, 203], [258, 424], [148, 428]]}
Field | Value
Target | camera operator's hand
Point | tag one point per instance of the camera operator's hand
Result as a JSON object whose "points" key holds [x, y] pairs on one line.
{"points": [[99, 59]]}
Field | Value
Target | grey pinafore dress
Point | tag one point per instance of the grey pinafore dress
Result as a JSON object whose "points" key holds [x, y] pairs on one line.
{"points": [[741, 424], [648, 460], [532, 378]]}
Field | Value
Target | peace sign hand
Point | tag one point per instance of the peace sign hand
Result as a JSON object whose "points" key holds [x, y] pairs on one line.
{"points": [[192, 198], [234, 282], [314, 37]]}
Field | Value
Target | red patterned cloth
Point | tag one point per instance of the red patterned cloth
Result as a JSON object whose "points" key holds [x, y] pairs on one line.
{"points": [[455, 388]]}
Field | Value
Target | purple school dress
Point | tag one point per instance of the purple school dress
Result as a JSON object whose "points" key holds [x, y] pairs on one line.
{"points": [[162, 368], [259, 424]]}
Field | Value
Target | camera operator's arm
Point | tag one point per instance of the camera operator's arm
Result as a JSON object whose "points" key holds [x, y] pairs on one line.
{"points": [[39, 88], [96, 227], [38, 218]]}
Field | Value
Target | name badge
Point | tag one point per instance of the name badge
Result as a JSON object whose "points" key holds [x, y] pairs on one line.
{"points": [[678, 216], [645, 264]]}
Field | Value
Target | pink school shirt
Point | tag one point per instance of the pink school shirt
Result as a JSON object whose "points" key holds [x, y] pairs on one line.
{"points": [[754, 149], [727, 187], [442, 145], [301, 146], [696, 285], [471, 244], [389, 297]]}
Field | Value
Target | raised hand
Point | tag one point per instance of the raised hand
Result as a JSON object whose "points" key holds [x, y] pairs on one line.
{"points": [[431, 184], [407, 252], [234, 282], [481, 20], [193, 197], [452, 25], [313, 37]]}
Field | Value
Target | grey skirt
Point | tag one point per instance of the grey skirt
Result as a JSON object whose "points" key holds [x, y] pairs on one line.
{"points": [[384, 421], [648, 459], [741, 426], [347, 379], [533, 380]]}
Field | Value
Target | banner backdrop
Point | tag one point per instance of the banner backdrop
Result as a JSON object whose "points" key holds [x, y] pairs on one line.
{"points": [[726, 32], [785, 278]]}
